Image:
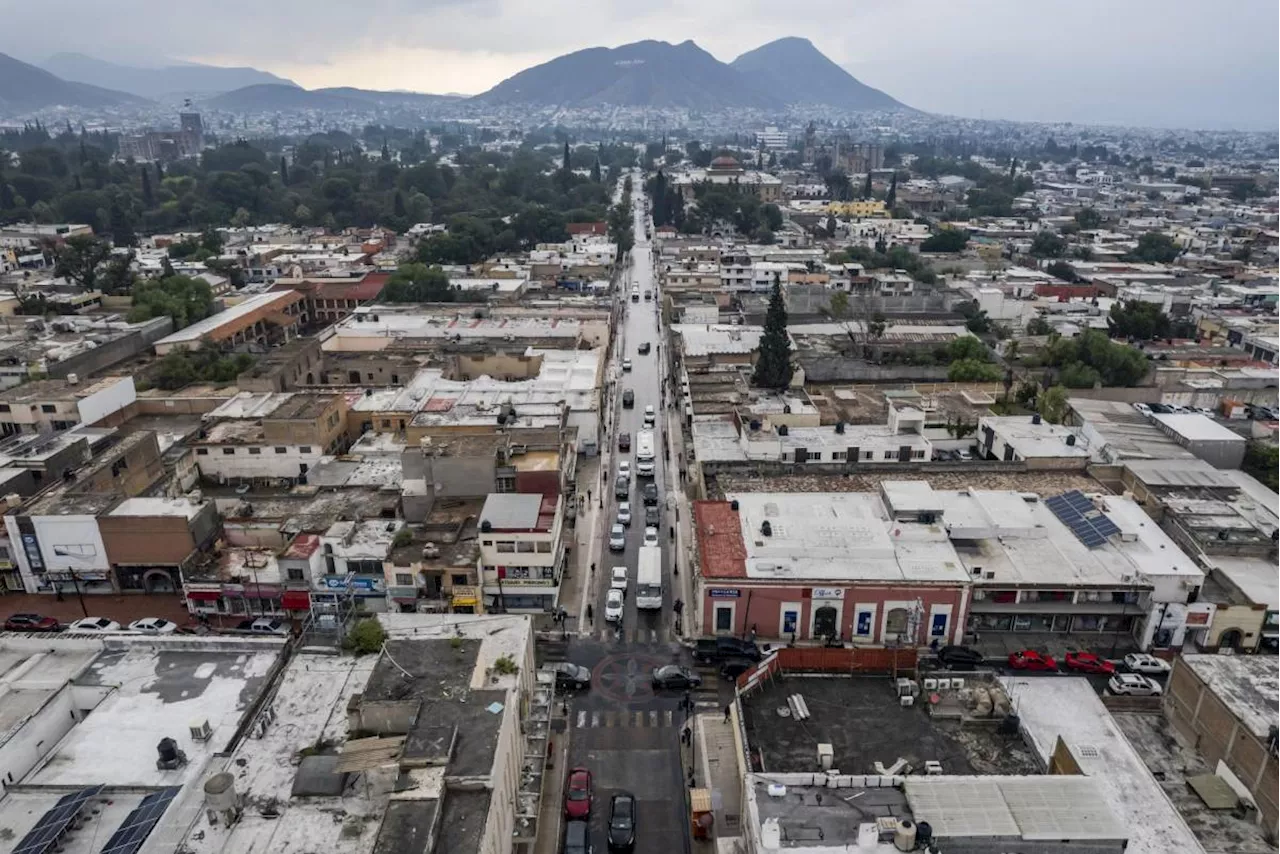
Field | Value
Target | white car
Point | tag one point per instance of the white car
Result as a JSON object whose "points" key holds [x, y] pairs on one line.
{"points": [[94, 624], [617, 538], [1140, 662], [649, 415], [1142, 407], [624, 513], [1134, 684], [650, 536], [154, 626], [264, 626], [613, 605], [624, 468], [618, 579], [626, 365]]}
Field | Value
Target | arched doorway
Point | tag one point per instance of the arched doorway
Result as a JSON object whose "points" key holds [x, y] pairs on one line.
{"points": [[825, 622], [895, 623], [158, 581], [1230, 640]]}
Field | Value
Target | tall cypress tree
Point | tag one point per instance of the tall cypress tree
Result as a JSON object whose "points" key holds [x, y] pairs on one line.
{"points": [[159, 173], [773, 367], [891, 198], [147, 195], [566, 164], [284, 171], [866, 187]]}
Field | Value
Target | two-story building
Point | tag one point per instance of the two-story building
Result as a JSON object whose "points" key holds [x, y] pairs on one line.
{"points": [[521, 551]]}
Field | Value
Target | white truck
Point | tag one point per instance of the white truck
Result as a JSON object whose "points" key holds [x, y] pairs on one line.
{"points": [[644, 453], [649, 578]]}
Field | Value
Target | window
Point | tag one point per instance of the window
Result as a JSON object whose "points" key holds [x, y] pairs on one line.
{"points": [[917, 455], [281, 449], [544, 548], [868, 455], [888, 455], [255, 451], [305, 449], [507, 546], [839, 456], [295, 575], [459, 580], [404, 579], [228, 451], [4, 407], [487, 543], [521, 572], [48, 407], [524, 547]]}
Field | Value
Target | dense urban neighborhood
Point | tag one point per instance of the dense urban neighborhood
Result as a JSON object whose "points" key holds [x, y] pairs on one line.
{"points": [[649, 454]]}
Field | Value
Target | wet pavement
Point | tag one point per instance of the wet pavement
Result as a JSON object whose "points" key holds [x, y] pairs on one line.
{"points": [[122, 609]]}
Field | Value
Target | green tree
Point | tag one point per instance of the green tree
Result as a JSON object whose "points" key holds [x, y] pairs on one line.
{"points": [[595, 171], [79, 258], [367, 636], [1156, 247], [116, 276], [866, 187], [1046, 244], [1088, 219], [1262, 461], [773, 365], [418, 283], [148, 197], [1138, 321], [284, 171], [946, 240], [1061, 270], [891, 197], [1052, 404], [831, 225], [1038, 326], [182, 298], [969, 348], [972, 371]]}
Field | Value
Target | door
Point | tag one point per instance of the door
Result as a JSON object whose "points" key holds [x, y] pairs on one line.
{"points": [[724, 619], [938, 626], [825, 622], [790, 622]]}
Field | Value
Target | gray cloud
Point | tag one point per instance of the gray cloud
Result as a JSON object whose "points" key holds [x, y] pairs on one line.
{"points": [[1170, 63]]}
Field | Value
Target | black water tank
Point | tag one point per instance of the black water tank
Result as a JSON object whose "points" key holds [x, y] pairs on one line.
{"points": [[766, 528], [840, 427], [1071, 439], [782, 431], [733, 505], [924, 832], [168, 749], [1035, 419]]}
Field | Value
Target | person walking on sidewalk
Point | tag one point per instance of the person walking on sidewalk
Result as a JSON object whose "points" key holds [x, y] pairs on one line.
{"points": [[728, 710]]}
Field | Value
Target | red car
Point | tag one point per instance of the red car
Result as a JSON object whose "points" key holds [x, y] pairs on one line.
{"points": [[577, 801], [1087, 662], [31, 623], [1029, 659]]}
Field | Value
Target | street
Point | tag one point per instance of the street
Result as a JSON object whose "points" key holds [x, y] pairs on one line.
{"points": [[626, 733]]}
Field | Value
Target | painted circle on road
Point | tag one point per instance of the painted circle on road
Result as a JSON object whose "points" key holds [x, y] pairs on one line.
{"points": [[626, 678]]}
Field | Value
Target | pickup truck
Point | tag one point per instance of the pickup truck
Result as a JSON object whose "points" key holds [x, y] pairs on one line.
{"points": [[720, 649]]}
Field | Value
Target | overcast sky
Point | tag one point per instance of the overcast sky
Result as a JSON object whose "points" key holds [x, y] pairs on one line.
{"points": [[1171, 63]]}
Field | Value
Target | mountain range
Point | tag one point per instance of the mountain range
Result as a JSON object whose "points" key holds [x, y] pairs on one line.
{"points": [[660, 74], [271, 97], [25, 87], [185, 79]]}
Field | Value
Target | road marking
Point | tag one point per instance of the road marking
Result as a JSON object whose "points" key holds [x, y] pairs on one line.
{"points": [[653, 718], [670, 717], [595, 719], [609, 719], [582, 719], [639, 719]]}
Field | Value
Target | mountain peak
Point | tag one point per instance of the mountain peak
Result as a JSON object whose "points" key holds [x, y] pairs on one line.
{"points": [[26, 87], [794, 70]]}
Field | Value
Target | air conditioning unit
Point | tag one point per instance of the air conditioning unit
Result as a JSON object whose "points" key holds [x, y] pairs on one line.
{"points": [[979, 595], [201, 731]]}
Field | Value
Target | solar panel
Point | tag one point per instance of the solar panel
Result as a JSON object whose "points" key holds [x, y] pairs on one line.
{"points": [[1090, 525], [55, 822], [133, 832]]}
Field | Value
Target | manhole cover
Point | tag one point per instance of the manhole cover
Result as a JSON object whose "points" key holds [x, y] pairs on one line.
{"points": [[784, 711]]}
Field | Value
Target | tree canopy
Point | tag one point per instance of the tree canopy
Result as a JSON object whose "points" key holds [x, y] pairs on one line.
{"points": [[946, 240], [1138, 321], [773, 365], [1156, 247], [183, 298]]}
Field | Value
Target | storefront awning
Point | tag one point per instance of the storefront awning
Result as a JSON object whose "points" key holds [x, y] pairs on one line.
{"points": [[464, 601], [204, 595], [295, 600]]}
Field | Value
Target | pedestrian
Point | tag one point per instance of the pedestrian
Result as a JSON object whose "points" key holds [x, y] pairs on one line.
{"points": [[728, 710], [590, 617], [933, 646], [588, 495], [687, 701], [753, 632], [593, 570]]}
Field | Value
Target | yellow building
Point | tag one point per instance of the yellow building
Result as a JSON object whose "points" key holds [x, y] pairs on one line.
{"points": [[868, 209]]}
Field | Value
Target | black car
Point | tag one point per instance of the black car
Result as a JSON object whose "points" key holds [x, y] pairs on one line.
{"points": [[650, 494], [577, 838], [735, 667], [624, 441], [675, 676], [628, 399], [960, 658], [571, 676], [622, 488], [724, 649], [643, 349], [652, 516], [622, 821]]}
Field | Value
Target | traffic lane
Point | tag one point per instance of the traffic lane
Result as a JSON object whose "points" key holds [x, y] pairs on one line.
{"points": [[646, 763]]}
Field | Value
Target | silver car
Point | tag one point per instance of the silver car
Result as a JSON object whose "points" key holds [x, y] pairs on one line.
{"points": [[624, 513], [617, 538]]}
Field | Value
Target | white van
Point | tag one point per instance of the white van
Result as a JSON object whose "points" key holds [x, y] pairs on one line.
{"points": [[644, 453]]}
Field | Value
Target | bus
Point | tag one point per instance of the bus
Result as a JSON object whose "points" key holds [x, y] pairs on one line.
{"points": [[644, 453], [649, 578]]}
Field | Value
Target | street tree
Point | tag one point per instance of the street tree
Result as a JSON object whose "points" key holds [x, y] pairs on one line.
{"points": [[773, 366]]}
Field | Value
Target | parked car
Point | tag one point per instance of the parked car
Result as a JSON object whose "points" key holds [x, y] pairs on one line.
{"points": [[650, 536], [94, 624], [650, 494], [618, 579], [725, 648], [624, 468], [628, 398], [735, 667], [1141, 662], [617, 538], [622, 487], [1029, 659], [964, 454], [577, 838], [626, 365], [649, 415], [624, 441], [955, 657], [613, 605], [31, 623], [263, 626], [675, 676], [652, 515], [571, 676], [624, 513], [1087, 662], [622, 822], [578, 796], [1142, 407], [1134, 684], [154, 626], [643, 349]]}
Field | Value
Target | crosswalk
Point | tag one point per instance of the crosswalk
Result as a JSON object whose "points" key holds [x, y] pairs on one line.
{"points": [[636, 718], [625, 635]]}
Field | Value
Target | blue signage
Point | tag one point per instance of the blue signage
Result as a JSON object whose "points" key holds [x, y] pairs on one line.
{"points": [[723, 593], [339, 582]]}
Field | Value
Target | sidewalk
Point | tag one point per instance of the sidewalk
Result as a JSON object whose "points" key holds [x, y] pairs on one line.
{"points": [[719, 768], [550, 811], [122, 609]]}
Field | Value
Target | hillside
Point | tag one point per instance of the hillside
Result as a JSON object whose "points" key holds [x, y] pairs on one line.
{"points": [[794, 71], [187, 79], [274, 97], [387, 99], [643, 74], [24, 87]]}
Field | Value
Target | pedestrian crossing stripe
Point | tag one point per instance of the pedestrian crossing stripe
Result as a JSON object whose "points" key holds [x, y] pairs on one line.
{"points": [[627, 635], [652, 719]]}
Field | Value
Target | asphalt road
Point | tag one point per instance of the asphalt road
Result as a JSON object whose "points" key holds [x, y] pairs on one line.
{"points": [[620, 729]]}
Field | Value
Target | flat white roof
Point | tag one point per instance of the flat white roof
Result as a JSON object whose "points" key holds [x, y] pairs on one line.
{"points": [[1069, 707], [840, 536], [157, 507], [1032, 440], [702, 339], [1195, 427], [1248, 685], [209, 324]]}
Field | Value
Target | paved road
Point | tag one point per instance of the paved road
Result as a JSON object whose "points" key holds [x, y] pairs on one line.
{"points": [[627, 734]]}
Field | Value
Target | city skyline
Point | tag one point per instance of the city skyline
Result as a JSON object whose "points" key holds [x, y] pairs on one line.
{"points": [[992, 59]]}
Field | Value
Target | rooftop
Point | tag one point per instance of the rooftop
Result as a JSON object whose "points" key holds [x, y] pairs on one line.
{"points": [[267, 303], [1195, 427], [513, 512], [1031, 440], [184, 507], [1246, 684]]}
